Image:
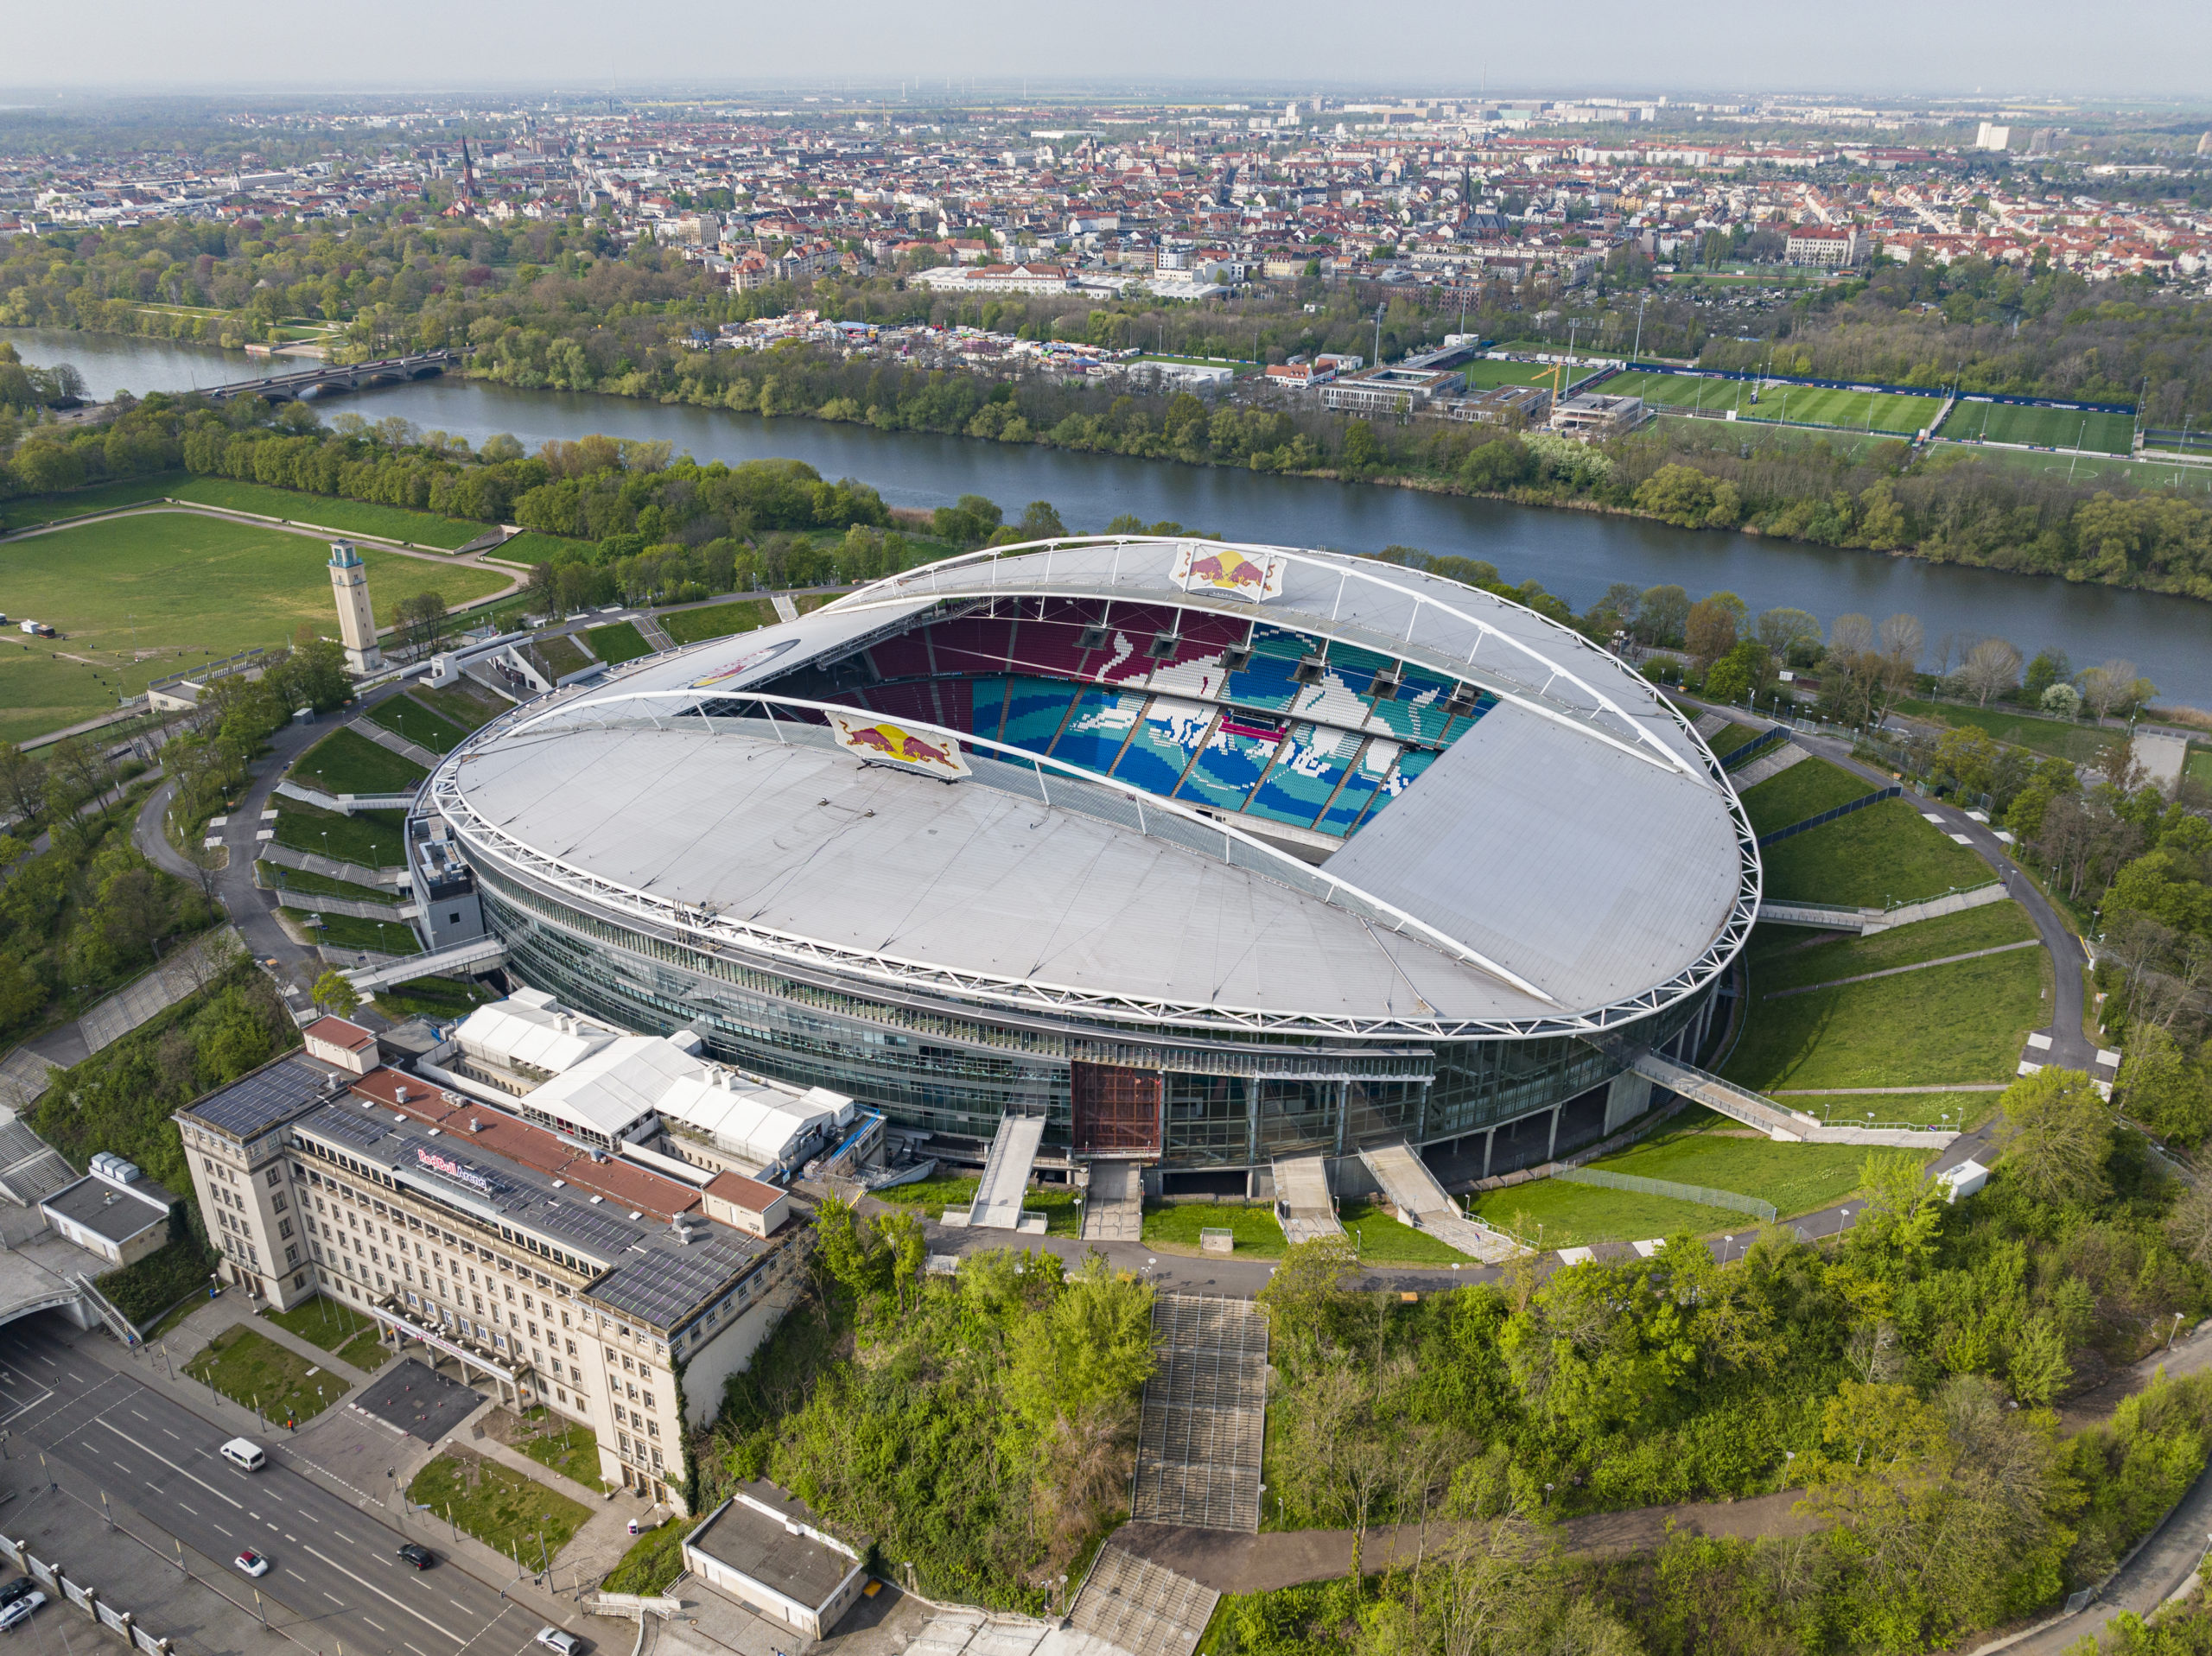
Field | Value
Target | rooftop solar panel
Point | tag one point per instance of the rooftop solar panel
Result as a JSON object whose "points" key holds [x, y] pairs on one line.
{"points": [[261, 1100], [352, 1124], [604, 1233], [663, 1285]]}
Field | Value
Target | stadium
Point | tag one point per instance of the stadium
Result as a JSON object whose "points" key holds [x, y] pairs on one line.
{"points": [[1208, 855]]}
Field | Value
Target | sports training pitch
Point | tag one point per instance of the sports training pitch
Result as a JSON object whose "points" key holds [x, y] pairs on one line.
{"points": [[1788, 404], [139, 596], [2005, 422]]}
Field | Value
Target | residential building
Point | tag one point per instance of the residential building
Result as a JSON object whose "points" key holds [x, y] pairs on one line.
{"points": [[1834, 245], [1512, 406]]}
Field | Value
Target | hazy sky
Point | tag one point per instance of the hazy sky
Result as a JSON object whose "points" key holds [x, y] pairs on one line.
{"points": [[2156, 49]]}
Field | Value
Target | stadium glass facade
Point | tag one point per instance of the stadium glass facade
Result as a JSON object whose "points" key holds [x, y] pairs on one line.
{"points": [[1189, 1102]]}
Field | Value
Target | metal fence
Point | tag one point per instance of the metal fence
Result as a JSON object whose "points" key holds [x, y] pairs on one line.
{"points": [[1699, 1193], [1736, 758], [1858, 804]]}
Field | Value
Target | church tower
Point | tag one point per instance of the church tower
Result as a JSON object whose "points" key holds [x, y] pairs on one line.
{"points": [[356, 621]]}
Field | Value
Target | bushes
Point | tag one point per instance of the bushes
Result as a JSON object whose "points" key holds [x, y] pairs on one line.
{"points": [[142, 1292]]}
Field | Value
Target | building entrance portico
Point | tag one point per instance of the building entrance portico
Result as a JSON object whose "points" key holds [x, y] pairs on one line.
{"points": [[512, 1382]]}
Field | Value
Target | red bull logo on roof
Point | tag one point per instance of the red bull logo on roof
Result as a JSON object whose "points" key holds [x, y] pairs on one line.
{"points": [[1225, 569], [885, 743], [742, 665]]}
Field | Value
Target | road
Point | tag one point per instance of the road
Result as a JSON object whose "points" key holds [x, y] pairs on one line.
{"points": [[335, 1578]]}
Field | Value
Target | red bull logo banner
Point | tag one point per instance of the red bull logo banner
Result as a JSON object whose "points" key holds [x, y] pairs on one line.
{"points": [[884, 743], [1199, 567]]}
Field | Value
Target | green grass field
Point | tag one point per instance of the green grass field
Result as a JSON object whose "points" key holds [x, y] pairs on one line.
{"points": [[249, 1368], [1805, 789], [404, 716], [348, 517], [1886, 853], [2054, 736], [463, 704], [347, 762], [558, 655], [2005, 422], [345, 931], [1380, 1238], [534, 547], [1961, 1023], [139, 596], [308, 886], [1699, 1147], [1881, 411], [1551, 1214], [1808, 962], [2198, 765], [718, 620], [1063, 1217], [445, 999], [370, 838], [1484, 375], [101, 497], [500, 1508], [618, 643], [1730, 737], [569, 1447]]}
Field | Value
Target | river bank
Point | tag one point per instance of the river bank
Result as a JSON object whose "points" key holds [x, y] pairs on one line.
{"points": [[1575, 554]]}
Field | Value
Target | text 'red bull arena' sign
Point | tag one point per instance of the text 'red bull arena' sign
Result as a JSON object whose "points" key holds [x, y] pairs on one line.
{"points": [[1220, 569], [880, 740]]}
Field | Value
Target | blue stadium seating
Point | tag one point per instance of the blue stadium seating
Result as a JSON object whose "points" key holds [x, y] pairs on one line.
{"points": [[1097, 729], [1305, 775]]}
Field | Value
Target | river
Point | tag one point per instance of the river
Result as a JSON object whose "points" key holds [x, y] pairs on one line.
{"points": [[1573, 554]]}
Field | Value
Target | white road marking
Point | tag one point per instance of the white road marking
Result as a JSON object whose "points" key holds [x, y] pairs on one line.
{"points": [[378, 1626], [171, 1464], [166, 1432], [381, 1594], [458, 1605], [334, 1599], [348, 1540], [142, 1416], [192, 1510], [417, 1653]]}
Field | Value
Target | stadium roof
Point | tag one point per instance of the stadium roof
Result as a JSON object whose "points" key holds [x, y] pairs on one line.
{"points": [[1572, 860]]}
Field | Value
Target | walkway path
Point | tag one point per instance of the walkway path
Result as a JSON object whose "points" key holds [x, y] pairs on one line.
{"points": [[1897, 971]]}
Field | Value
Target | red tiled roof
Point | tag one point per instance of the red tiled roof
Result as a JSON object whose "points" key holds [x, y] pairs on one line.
{"points": [[497, 1133], [338, 1031]]}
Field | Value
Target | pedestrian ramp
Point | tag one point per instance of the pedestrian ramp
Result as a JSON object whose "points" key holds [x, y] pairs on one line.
{"points": [[1006, 1175], [1767, 765], [479, 955], [1424, 1204], [1303, 1205], [1204, 1415], [1132, 1604], [1778, 1123]]}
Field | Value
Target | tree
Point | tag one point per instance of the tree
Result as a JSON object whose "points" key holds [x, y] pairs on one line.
{"points": [[1745, 670], [1661, 615], [1782, 631], [1990, 668], [2105, 686], [2057, 1137], [1689, 498], [333, 993], [2049, 668], [22, 783], [1039, 522], [2063, 700], [1709, 631], [1903, 638]]}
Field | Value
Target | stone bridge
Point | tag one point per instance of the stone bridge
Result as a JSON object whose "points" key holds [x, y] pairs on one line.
{"points": [[337, 377]]}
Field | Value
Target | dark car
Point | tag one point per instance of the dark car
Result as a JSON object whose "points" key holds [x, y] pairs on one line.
{"points": [[15, 1590], [421, 1557]]}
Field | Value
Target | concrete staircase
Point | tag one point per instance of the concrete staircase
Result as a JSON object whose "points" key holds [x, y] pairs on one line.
{"points": [[1424, 1204], [650, 629], [391, 742], [1768, 764], [1303, 1205], [1144, 1608], [1113, 1207], [1753, 1110]]}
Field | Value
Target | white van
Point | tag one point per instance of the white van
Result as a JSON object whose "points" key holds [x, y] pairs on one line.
{"points": [[241, 1452]]}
